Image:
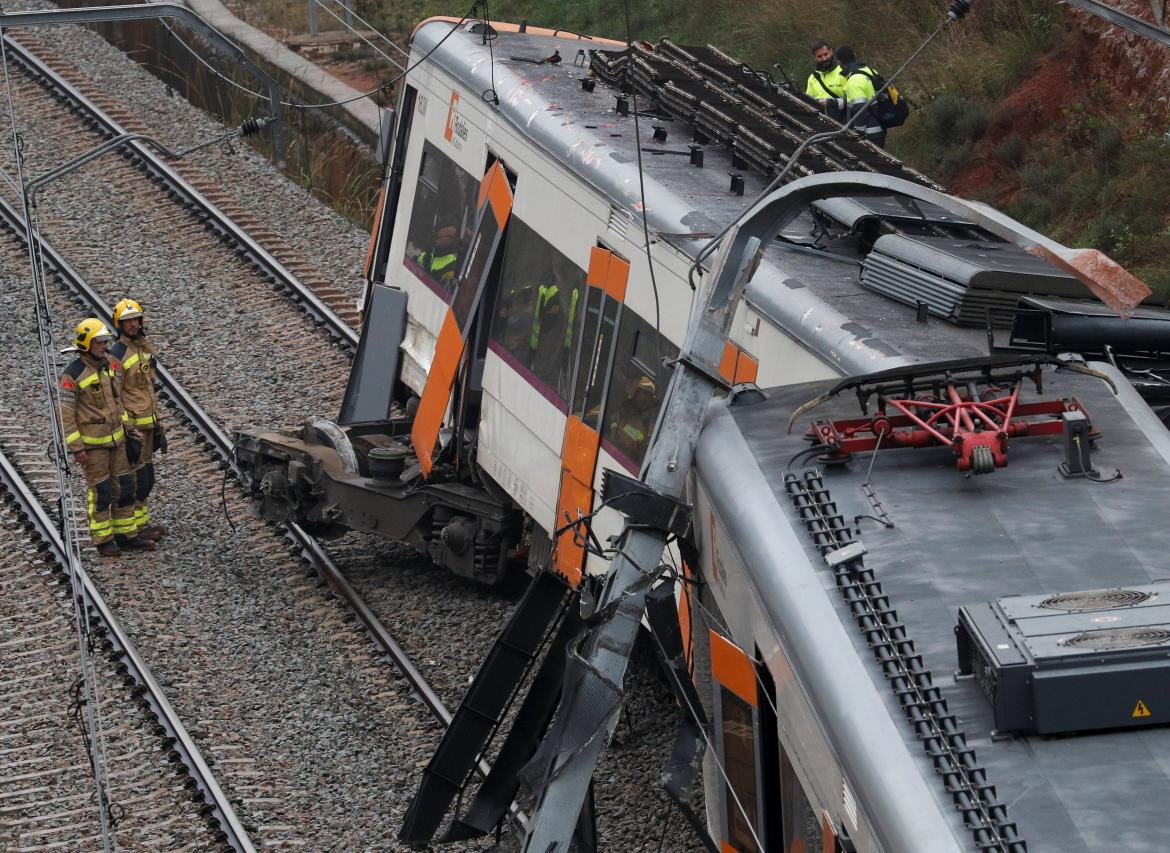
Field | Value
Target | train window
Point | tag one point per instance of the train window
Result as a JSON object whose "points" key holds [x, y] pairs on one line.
{"points": [[636, 389], [540, 309], [739, 762], [441, 219]]}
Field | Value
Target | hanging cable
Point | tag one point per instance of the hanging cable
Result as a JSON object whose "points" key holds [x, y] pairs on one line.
{"points": [[98, 754], [642, 200], [367, 42], [302, 106], [489, 36]]}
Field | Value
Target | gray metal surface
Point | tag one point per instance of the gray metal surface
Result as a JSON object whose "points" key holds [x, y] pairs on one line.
{"points": [[370, 390], [894, 787], [1123, 19], [606, 649], [821, 304], [961, 280], [853, 212], [1022, 530], [1047, 668]]}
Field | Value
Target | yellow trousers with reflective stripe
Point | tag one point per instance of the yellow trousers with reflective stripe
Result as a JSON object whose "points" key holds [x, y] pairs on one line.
{"points": [[102, 467], [145, 457]]}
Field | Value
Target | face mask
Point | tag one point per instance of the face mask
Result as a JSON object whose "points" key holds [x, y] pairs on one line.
{"points": [[827, 65]]}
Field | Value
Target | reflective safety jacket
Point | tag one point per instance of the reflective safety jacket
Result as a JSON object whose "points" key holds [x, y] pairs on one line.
{"points": [[858, 90], [827, 85], [441, 267], [544, 296], [139, 401], [91, 410]]}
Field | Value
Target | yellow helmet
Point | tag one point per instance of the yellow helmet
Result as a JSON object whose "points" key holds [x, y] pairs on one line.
{"points": [[89, 330], [127, 309]]}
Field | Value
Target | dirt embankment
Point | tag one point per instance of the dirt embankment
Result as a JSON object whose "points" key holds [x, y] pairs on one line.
{"points": [[1097, 70]]}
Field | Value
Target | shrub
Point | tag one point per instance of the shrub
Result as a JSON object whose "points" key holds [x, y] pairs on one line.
{"points": [[1107, 145], [1011, 150], [941, 115]]}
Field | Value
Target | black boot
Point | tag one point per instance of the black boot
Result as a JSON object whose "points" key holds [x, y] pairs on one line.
{"points": [[138, 543], [109, 548]]}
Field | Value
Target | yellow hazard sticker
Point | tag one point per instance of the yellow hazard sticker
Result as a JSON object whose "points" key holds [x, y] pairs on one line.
{"points": [[1140, 710]]}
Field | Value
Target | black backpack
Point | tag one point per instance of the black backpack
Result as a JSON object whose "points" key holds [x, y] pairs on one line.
{"points": [[891, 108]]}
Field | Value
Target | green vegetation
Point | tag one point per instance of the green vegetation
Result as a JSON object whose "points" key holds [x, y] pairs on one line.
{"points": [[1004, 107]]}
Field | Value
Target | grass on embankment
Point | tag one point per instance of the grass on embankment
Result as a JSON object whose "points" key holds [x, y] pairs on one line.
{"points": [[1009, 104]]}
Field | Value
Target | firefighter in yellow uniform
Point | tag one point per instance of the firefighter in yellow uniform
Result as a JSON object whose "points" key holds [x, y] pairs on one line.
{"points": [[136, 355], [91, 416]]}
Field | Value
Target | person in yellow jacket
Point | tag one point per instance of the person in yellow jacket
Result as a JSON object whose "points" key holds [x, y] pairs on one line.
{"points": [[826, 83], [136, 355], [91, 416], [859, 90], [442, 261]]}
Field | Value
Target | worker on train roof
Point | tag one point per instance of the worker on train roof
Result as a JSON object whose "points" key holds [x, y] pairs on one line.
{"points": [[90, 394], [859, 91], [826, 83], [137, 356]]}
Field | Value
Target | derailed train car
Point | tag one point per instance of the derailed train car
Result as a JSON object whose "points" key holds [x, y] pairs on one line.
{"points": [[521, 333]]}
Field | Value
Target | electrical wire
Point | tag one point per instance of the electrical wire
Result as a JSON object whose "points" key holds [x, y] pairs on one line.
{"points": [[372, 29], [642, 201], [367, 42], [303, 106], [489, 36]]}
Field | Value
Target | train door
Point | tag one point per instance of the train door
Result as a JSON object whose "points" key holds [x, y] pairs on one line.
{"points": [[606, 281], [492, 212], [387, 205], [736, 724], [763, 806]]}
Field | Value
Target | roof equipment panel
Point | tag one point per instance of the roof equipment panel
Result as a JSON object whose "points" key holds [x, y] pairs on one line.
{"points": [[1077, 661], [962, 281]]}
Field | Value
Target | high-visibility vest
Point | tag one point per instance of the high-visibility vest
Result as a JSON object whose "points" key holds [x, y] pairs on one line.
{"points": [[858, 91], [91, 408], [826, 85], [544, 295], [436, 264], [139, 403]]}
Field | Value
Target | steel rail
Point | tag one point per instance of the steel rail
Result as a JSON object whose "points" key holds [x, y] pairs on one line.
{"points": [[46, 528], [158, 168], [221, 443]]}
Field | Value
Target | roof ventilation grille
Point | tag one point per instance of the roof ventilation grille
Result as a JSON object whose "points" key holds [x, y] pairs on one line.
{"points": [[620, 220], [1095, 599], [1117, 638]]}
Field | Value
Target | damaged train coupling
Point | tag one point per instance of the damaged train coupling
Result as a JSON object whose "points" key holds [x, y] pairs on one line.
{"points": [[331, 479]]}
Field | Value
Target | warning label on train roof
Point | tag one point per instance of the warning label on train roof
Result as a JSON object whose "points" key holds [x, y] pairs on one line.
{"points": [[1140, 710]]}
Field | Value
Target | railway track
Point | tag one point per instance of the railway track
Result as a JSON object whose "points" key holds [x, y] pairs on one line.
{"points": [[305, 699], [162, 793], [267, 548]]}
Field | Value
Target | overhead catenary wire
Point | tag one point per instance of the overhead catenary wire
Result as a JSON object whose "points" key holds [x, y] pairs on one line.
{"points": [[362, 37], [327, 104], [98, 754]]}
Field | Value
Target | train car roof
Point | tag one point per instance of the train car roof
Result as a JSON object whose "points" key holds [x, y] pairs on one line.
{"points": [[815, 297], [963, 540]]}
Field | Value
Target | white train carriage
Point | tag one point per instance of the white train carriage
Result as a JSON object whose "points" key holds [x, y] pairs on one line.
{"points": [[516, 311]]}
